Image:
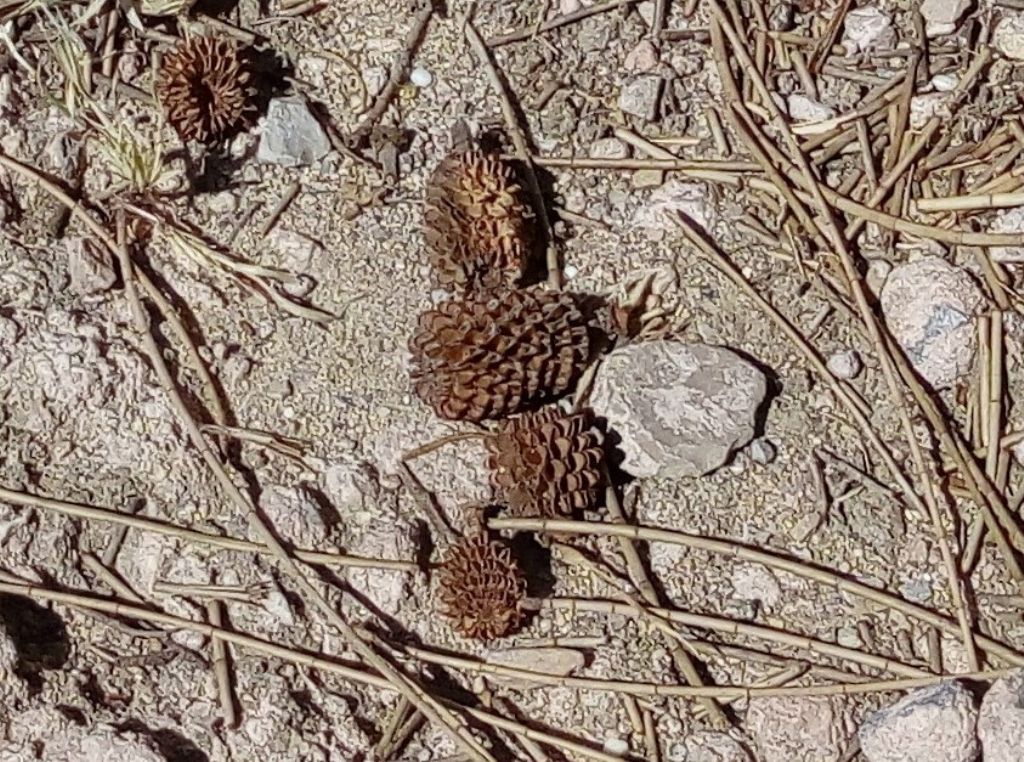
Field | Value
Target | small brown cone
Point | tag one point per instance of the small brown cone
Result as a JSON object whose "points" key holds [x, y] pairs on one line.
{"points": [[203, 86], [547, 464], [476, 223], [498, 353], [480, 589]]}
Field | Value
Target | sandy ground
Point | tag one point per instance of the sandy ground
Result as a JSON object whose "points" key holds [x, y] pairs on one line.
{"points": [[82, 417]]}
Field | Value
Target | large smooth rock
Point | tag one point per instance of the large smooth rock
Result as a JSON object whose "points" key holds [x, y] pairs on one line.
{"points": [[933, 724], [800, 728], [930, 306], [680, 409], [291, 136], [1001, 720]]}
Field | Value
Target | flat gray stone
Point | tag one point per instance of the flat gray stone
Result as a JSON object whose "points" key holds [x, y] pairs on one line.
{"points": [[640, 97], [291, 136], [800, 728], [1008, 38], [1001, 720], [932, 724], [930, 307], [680, 409], [866, 28], [550, 661], [708, 746], [89, 266]]}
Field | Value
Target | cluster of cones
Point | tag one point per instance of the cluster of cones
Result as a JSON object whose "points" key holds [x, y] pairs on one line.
{"points": [[499, 350]]}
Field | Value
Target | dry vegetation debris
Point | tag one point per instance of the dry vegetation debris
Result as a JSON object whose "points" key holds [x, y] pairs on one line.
{"points": [[218, 490]]}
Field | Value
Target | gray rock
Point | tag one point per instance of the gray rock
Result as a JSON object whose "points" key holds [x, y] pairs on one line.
{"points": [[1008, 37], [421, 77], [930, 306], [917, 590], [933, 724], [866, 28], [804, 109], [924, 107], [941, 16], [1001, 720], [1008, 221], [643, 57], [800, 728], [291, 136], [294, 515], [691, 199], [845, 365], [708, 746], [762, 451], [641, 97], [753, 582], [608, 148], [551, 661], [680, 409], [89, 266]]}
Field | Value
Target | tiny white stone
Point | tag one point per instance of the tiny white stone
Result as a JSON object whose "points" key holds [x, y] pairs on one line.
{"points": [[944, 83], [421, 77], [570, 271], [761, 451], [616, 746], [804, 109], [845, 365]]}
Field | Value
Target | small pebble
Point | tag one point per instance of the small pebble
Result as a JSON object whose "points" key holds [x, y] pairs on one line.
{"points": [[616, 746], [762, 451], [570, 271], [421, 77], [845, 365]]}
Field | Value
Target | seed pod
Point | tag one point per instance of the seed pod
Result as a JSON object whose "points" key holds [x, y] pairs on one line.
{"points": [[499, 352], [480, 589], [547, 464], [203, 86], [476, 223]]}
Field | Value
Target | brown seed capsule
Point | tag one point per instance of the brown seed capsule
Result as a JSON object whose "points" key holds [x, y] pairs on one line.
{"points": [[480, 589], [203, 86], [546, 464], [476, 223], [498, 352]]}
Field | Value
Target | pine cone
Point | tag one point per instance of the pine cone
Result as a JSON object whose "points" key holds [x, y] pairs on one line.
{"points": [[546, 464], [481, 589], [203, 87], [498, 353], [476, 224]]}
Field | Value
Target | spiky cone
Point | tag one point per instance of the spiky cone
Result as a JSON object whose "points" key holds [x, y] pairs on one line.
{"points": [[476, 225], [203, 87], [480, 589], [547, 464], [499, 352]]}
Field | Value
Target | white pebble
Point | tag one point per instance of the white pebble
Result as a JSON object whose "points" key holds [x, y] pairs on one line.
{"points": [[421, 77], [845, 365], [570, 271], [762, 451], [616, 746]]}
